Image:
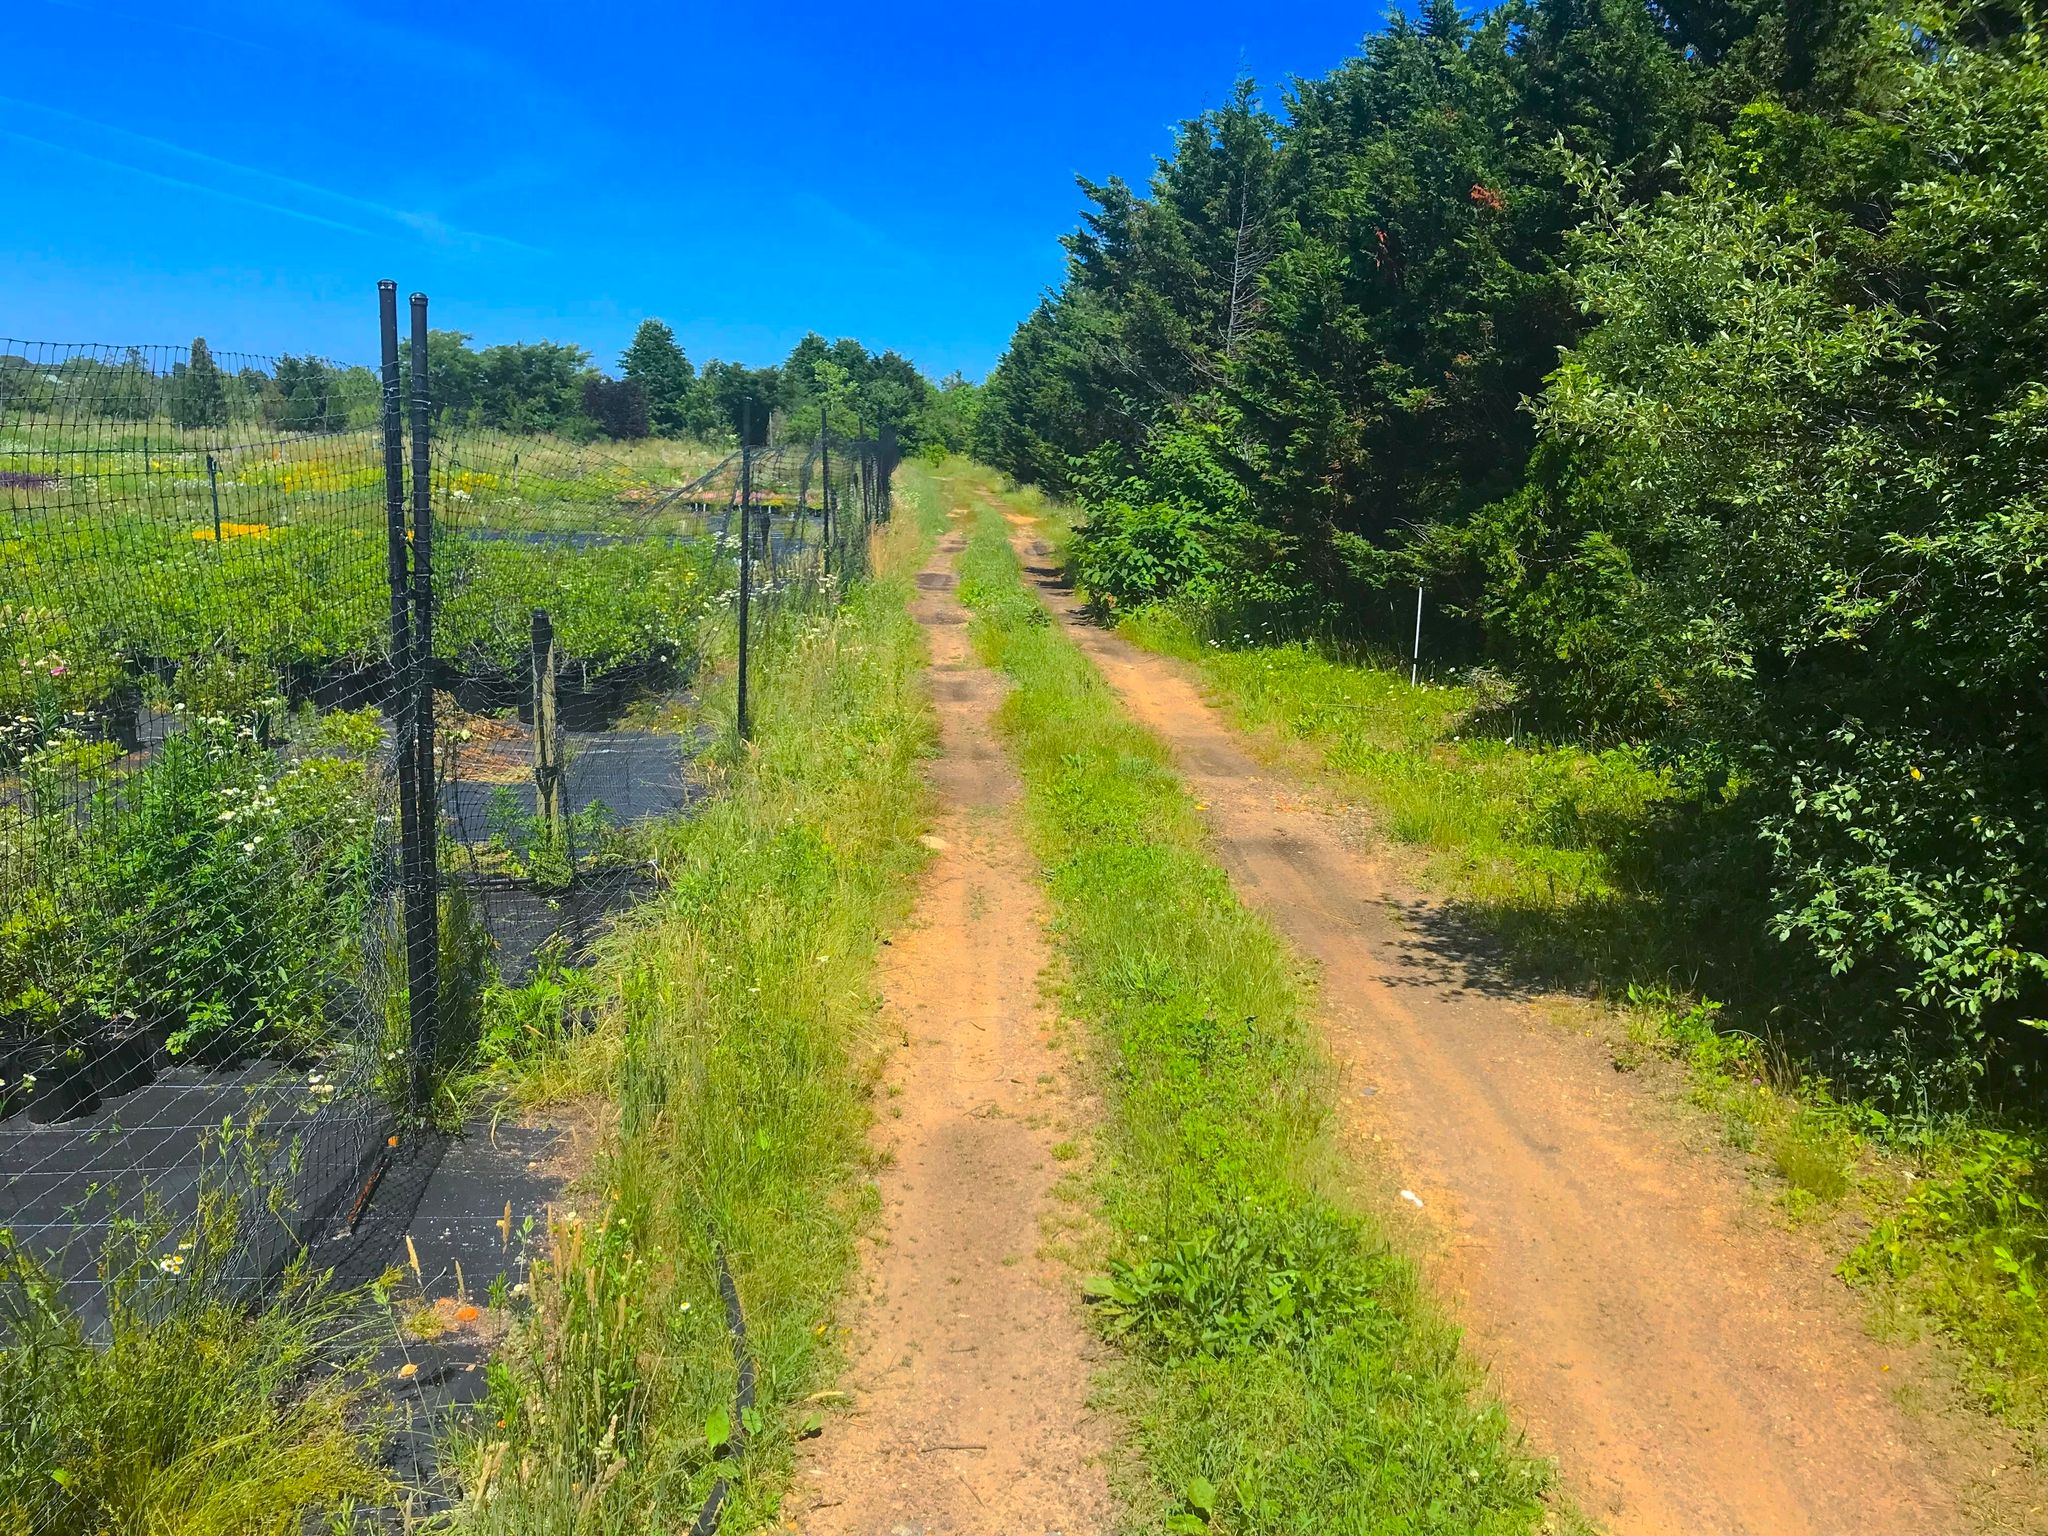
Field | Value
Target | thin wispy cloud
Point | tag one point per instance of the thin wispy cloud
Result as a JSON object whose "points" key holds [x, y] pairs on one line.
{"points": [[426, 224], [858, 233], [131, 19], [186, 186]]}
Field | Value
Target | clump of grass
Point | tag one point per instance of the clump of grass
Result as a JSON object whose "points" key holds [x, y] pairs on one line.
{"points": [[1282, 1373], [1814, 1158], [191, 1415], [730, 1044]]}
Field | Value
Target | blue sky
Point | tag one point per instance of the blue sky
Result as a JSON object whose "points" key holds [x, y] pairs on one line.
{"points": [[247, 169]]}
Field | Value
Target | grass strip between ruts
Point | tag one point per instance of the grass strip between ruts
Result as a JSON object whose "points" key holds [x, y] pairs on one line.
{"points": [[1280, 1369]]}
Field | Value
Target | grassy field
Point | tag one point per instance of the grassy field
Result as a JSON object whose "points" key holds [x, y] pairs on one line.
{"points": [[1590, 874], [1280, 1370], [729, 1064]]}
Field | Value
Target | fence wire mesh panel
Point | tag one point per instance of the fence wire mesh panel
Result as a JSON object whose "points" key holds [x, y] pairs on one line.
{"points": [[329, 720], [196, 804], [575, 584]]}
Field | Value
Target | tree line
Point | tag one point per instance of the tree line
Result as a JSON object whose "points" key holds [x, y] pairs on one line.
{"points": [[1690, 357], [296, 394], [522, 387], [658, 390]]}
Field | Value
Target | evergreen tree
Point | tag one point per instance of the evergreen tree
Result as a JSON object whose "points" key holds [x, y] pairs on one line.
{"points": [[1690, 353], [658, 365], [304, 398], [199, 396]]}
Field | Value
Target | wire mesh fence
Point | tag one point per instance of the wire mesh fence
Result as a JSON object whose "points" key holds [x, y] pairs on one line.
{"points": [[322, 713], [196, 810]]}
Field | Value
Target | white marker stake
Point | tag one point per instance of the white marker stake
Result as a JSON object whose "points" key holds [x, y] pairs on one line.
{"points": [[1415, 656]]}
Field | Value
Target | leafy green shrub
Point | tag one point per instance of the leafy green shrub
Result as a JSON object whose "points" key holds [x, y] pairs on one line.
{"points": [[1255, 1280], [49, 671], [217, 893], [613, 605], [230, 887], [1175, 525], [1129, 553], [1788, 521], [1970, 1244]]}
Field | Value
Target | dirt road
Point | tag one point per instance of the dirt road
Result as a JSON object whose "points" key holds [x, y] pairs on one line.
{"points": [[971, 1359], [1693, 1368]]}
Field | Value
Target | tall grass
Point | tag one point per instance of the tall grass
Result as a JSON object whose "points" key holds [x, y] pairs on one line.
{"points": [[188, 1415], [1281, 1370], [732, 1050]]}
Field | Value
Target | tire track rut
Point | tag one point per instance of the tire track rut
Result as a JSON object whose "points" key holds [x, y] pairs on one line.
{"points": [[972, 1363]]}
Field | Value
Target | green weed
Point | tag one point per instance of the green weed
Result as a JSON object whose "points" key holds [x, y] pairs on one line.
{"points": [[1967, 1242], [193, 1416]]}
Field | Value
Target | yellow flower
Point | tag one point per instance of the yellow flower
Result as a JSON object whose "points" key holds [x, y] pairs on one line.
{"points": [[1917, 775]]}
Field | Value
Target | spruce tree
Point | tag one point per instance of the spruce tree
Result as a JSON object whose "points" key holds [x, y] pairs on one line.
{"points": [[200, 398], [664, 375]]}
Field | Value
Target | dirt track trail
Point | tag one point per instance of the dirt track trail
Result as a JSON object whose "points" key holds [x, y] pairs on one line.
{"points": [[1693, 1368], [971, 1359]]}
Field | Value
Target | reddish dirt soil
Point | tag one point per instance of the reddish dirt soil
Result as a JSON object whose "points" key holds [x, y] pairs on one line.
{"points": [[972, 1362], [1693, 1366]]}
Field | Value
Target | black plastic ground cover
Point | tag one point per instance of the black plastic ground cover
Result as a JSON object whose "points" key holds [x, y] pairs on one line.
{"points": [[743, 1393], [637, 775], [476, 1208], [76, 1072], [523, 918], [147, 1153]]}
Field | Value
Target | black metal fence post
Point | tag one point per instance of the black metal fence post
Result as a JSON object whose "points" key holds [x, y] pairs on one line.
{"points": [[825, 525], [404, 694], [746, 549], [213, 488], [423, 890], [885, 472]]}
